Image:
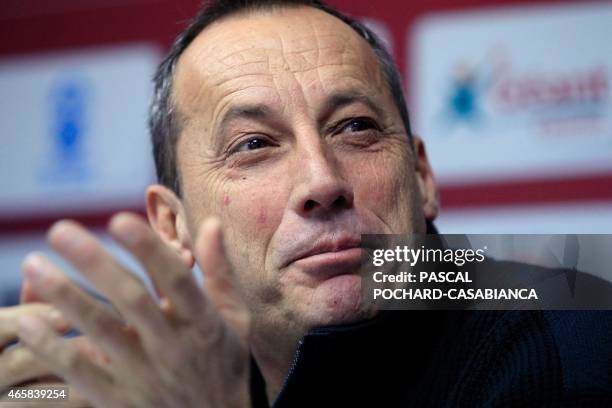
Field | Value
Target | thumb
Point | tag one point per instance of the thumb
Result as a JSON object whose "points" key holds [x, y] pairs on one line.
{"points": [[219, 279]]}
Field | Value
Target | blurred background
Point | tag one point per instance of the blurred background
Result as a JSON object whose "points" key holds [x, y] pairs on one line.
{"points": [[513, 99]]}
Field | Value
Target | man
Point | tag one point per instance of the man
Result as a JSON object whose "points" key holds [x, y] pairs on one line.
{"points": [[280, 136]]}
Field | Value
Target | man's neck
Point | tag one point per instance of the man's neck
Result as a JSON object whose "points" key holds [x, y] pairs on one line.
{"points": [[274, 356]]}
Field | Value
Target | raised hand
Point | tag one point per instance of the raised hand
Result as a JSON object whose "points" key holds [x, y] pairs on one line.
{"points": [[191, 352]]}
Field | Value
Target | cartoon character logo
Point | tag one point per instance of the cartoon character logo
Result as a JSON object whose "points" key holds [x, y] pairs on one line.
{"points": [[463, 101], [469, 86]]}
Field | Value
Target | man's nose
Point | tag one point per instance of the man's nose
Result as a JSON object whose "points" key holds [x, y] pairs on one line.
{"points": [[320, 188]]}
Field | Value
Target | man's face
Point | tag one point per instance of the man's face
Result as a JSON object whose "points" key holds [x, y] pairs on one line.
{"points": [[291, 137]]}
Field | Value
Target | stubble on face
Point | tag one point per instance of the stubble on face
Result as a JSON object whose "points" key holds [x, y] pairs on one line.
{"points": [[273, 73]]}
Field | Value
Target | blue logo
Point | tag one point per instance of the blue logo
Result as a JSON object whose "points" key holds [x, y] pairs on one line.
{"points": [[69, 113], [464, 98]]}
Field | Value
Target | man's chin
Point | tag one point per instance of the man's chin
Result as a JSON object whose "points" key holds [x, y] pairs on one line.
{"points": [[338, 300]]}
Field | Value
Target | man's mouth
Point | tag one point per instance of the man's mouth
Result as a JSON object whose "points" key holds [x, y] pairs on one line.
{"points": [[330, 257]]}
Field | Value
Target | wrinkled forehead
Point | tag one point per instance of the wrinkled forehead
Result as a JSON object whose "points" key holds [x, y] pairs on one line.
{"points": [[249, 54]]}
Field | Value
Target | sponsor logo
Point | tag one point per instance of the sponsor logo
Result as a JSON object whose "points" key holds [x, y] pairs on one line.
{"points": [[545, 100], [69, 114]]}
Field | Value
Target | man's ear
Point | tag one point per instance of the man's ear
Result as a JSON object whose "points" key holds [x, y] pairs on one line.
{"points": [[167, 216], [425, 178]]}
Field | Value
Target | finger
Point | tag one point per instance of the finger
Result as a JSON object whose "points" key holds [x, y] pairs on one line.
{"points": [[220, 282], [19, 365], [27, 294], [125, 291], [87, 314], [89, 349], [10, 315], [68, 362], [165, 267]]}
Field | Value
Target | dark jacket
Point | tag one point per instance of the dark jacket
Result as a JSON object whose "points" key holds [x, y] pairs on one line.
{"points": [[453, 359]]}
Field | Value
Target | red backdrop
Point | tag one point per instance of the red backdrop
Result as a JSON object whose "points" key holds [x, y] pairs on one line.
{"points": [[42, 26]]}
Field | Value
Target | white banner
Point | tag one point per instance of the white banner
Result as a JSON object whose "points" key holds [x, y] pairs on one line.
{"points": [[515, 92], [73, 131]]}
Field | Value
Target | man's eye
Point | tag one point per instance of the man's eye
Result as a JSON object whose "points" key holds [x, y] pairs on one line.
{"points": [[252, 143], [358, 125]]}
